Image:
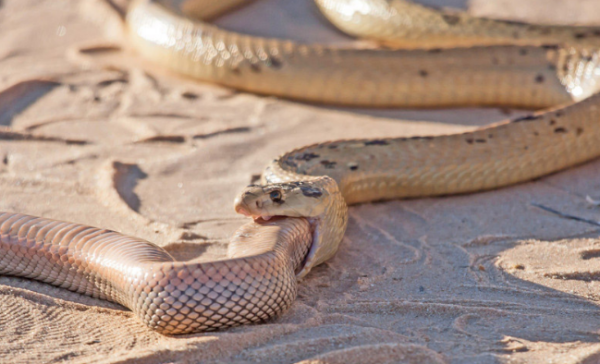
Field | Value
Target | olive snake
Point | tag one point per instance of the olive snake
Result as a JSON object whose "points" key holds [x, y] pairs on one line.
{"points": [[308, 189]]}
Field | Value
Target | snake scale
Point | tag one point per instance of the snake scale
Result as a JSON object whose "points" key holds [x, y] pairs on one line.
{"points": [[300, 210]]}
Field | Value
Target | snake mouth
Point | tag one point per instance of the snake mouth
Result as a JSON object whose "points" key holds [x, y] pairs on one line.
{"points": [[264, 217], [241, 209], [245, 212]]}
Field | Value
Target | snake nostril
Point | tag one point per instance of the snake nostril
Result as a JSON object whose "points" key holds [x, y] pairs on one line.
{"points": [[257, 205]]}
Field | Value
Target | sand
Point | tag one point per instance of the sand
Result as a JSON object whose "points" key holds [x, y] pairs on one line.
{"points": [[89, 133]]}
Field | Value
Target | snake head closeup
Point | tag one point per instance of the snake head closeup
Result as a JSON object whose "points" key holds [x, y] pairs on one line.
{"points": [[293, 199], [318, 200]]}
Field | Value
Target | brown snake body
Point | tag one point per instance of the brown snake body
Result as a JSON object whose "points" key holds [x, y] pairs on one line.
{"points": [[312, 186]]}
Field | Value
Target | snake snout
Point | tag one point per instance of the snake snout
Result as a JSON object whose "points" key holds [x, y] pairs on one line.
{"points": [[240, 207]]}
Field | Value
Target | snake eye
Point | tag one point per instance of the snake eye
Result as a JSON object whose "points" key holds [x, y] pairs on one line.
{"points": [[275, 196]]}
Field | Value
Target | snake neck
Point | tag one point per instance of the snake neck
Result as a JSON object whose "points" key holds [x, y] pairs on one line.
{"points": [[329, 227]]}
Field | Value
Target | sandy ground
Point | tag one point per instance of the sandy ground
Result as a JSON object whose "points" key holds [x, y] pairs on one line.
{"points": [[482, 278]]}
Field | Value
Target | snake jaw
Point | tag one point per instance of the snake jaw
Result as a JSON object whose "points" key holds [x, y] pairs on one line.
{"points": [[239, 208]]}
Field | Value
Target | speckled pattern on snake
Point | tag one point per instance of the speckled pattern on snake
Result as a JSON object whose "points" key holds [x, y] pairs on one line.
{"points": [[300, 210]]}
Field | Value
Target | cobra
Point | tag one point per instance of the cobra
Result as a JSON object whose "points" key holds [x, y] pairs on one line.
{"points": [[300, 210]]}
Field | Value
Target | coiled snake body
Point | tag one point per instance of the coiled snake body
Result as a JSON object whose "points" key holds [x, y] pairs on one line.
{"points": [[308, 189]]}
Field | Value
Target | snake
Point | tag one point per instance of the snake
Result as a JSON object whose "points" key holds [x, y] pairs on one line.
{"points": [[429, 58]]}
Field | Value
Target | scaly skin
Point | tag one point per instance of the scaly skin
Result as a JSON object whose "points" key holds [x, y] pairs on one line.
{"points": [[170, 297], [517, 76], [373, 170], [312, 185], [402, 23]]}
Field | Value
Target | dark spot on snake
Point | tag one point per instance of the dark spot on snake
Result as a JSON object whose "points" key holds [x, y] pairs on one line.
{"points": [[552, 121], [526, 118], [490, 136], [275, 63], [587, 58], [106, 83], [451, 19], [539, 78], [376, 142], [419, 138], [526, 148], [523, 51], [307, 156], [353, 167], [290, 162], [495, 61], [435, 50], [536, 133], [580, 35], [550, 47], [516, 22], [189, 95], [423, 73], [332, 146], [552, 67], [470, 141], [579, 131], [311, 192], [255, 67], [235, 70], [328, 164], [480, 141], [5, 160], [560, 130], [559, 114]]}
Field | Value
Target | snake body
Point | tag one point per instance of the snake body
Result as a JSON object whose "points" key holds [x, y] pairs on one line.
{"points": [[308, 189], [510, 75], [170, 297]]}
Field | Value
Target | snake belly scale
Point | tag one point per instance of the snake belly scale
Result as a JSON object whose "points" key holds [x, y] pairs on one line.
{"points": [[300, 210]]}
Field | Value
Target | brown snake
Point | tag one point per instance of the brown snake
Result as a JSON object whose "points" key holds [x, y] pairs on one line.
{"points": [[308, 189]]}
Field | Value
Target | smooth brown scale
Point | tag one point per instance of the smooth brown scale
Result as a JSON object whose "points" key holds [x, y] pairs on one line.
{"points": [[170, 297], [508, 75], [495, 156], [402, 23]]}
